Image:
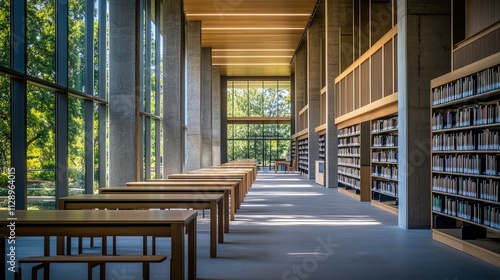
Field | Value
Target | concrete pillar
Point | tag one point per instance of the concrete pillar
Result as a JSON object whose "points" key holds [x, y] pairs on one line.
{"points": [[206, 107], [122, 85], [173, 87], [423, 54], [300, 82], [315, 35], [193, 95], [223, 121], [216, 115], [338, 14]]}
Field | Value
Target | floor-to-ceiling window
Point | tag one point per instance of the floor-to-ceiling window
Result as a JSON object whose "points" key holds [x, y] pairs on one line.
{"points": [[151, 90], [54, 97], [258, 120]]}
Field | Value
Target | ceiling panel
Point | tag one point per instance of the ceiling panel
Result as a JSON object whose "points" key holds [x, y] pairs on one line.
{"points": [[251, 37]]}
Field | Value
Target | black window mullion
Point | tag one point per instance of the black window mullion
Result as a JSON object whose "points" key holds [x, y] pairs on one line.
{"points": [[61, 99], [89, 104], [18, 101]]}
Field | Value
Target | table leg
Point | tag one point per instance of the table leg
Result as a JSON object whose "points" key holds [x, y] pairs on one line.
{"points": [[220, 220], [226, 211], [191, 232], [213, 229], [233, 203], [177, 263]]}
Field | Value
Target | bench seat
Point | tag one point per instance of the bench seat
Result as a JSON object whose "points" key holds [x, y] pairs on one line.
{"points": [[91, 260]]}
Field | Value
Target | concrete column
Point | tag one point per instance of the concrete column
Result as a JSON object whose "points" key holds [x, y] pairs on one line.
{"points": [[216, 115], [173, 87], [223, 121], [206, 107], [122, 85], [338, 14], [423, 54], [315, 35], [193, 48], [300, 82]]}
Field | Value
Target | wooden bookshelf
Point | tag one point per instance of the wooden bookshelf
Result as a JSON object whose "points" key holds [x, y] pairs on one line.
{"points": [[301, 139], [303, 152], [320, 175], [353, 161], [465, 152], [384, 163]]}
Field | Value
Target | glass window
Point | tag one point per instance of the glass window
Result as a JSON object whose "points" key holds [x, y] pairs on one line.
{"points": [[240, 131], [255, 105], [270, 99], [76, 44], [40, 132], [153, 149], [5, 142], [240, 149], [96, 48], [230, 100], [255, 131], [240, 99], [41, 39], [153, 70], [5, 33], [76, 148], [96, 148], [283, 99]]}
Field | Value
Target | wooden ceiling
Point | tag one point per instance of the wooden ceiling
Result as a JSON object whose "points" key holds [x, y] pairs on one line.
{"points": [[251, 37]]}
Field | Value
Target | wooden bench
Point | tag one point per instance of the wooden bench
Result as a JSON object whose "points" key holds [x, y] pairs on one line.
{"points": [[91, 260]]}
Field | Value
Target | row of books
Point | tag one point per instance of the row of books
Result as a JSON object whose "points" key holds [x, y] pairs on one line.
{"points": [[350, 161], [467, 141], [390, 188], [349, 181], [349, 171], [352, 151], [488, 80], [351, 141], [384, 125], [484, 81], [459, 89], [470, 164], [487, 189], [390, 172], [474, 211], [385, 141], [385, 156], [480, 114], [349, 131]]}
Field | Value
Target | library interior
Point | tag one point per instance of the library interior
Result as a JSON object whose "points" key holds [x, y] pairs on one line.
{"points": [[250, 139]]}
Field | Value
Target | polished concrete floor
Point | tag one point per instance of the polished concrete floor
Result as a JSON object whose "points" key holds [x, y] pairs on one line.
{"points": [[290, 228]]}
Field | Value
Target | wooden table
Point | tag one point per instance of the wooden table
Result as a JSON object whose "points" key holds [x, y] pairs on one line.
{"points": [[278, 163], [246, 174], [161, 188], [213, 202], [232, 188], [98, 223], [214, 176], [238, 187], [252, 170]]}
